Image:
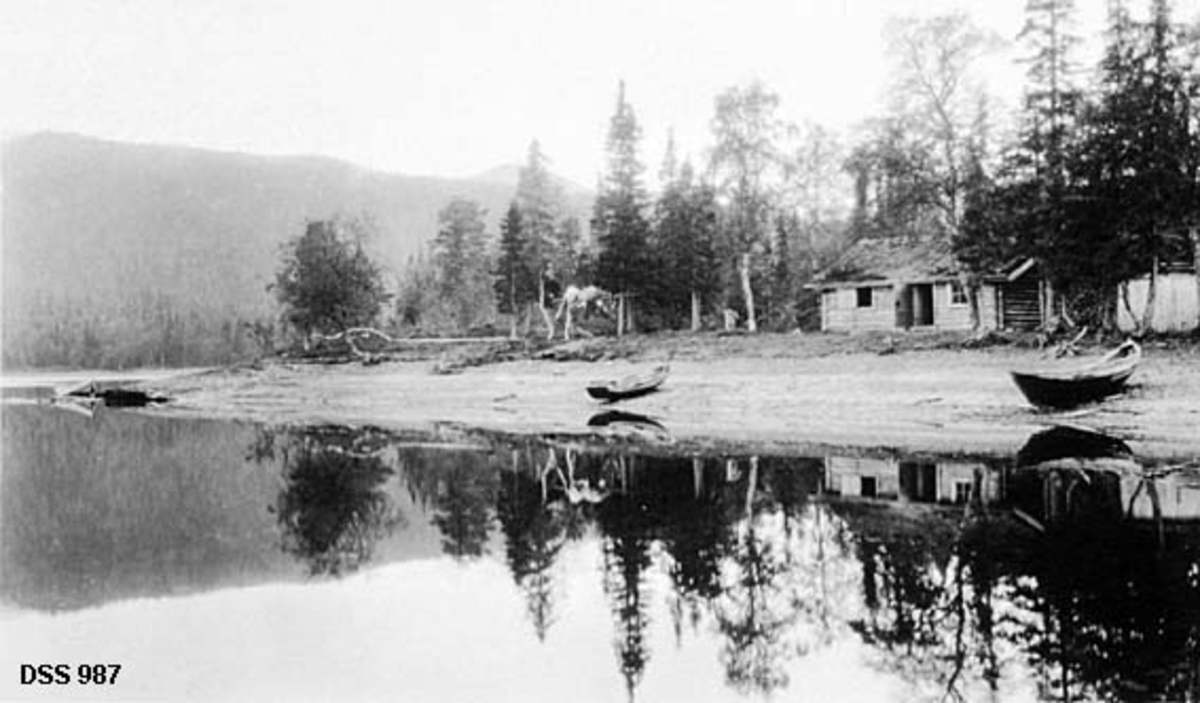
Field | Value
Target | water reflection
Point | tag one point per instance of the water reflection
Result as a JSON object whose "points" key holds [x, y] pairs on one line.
{"points": [[116, 506], [333, 508], [1067, 572], [534, 536]]}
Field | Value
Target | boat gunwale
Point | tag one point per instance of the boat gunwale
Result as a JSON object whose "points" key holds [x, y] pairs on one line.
{"points": [[1122, 360]]}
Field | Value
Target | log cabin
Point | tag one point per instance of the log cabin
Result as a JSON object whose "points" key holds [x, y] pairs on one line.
{"points": [[905, 283]]}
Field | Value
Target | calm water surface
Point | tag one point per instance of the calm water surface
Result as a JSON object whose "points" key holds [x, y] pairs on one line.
{"points": [[223, 561]]}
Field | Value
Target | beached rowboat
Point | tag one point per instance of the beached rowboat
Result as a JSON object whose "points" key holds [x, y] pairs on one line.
{"points": [[630, 386], [1078, 383]]}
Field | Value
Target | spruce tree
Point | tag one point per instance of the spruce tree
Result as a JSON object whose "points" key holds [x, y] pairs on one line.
{"points": [[540, 202], [514, 284], [618, 222], [1051, 99]]}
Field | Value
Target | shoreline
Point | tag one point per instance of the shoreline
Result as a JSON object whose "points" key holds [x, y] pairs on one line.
{"points": [[779, 400]]}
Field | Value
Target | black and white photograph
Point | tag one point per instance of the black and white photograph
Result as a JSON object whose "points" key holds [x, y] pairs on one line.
{"points": [[612, 351]]}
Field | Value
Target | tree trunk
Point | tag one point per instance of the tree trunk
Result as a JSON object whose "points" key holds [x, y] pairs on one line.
{"points": [[512, 308], [1123, 289], [620, 314], [1195, 232], [971, 287], [1046, 297], [1151, 294], [695, 311], [751, 485], [542, 308], [748, 293]]}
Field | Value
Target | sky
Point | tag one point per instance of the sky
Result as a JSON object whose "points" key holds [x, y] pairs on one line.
{"points": [[450, 87]]}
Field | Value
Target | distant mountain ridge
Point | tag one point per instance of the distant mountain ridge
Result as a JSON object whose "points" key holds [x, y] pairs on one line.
{"points": [[510, 173], [101, 227]]}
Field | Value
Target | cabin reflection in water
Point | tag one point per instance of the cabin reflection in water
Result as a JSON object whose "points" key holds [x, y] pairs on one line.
{"points": [[912, 480], [1102, 477]]}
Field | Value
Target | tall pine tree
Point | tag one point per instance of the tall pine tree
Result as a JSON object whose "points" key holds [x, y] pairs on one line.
{"points": [[618, 221], [540, 203], [1051, 98]]}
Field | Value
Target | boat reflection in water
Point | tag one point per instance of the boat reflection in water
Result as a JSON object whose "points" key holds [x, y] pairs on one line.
{"points": [[1066, 572]]}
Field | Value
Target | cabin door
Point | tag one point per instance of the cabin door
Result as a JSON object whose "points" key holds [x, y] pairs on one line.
{"points": [[904, 307], [922, 304], [914, 305], [918, 481]]}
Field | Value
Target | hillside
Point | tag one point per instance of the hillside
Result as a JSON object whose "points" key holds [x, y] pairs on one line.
{"points": [[96, 232]]}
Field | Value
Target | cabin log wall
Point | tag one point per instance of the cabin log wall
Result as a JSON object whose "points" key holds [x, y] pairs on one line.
{"points": [[1022, 304]]}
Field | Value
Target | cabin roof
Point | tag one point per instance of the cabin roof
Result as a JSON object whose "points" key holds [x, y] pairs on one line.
{"points": [[888, 261], [885, 260]]}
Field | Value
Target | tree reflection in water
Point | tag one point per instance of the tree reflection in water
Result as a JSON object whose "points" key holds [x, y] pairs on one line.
{"points": [[466, 496], [696, 537], [1117, 600], [332, 508], [535, 534], [460, 489], [753, 612], [785, 577], [959, 599], [1050, 576], [628, 520], [922, 614]]}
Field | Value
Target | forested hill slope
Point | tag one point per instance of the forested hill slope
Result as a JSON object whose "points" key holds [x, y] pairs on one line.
{"points": [[105, 243]]}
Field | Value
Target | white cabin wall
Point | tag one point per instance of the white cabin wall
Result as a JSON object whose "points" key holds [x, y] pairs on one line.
{"points": [[840, 311]]}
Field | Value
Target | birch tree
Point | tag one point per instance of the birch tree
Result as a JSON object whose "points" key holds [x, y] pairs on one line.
{"points": [[745, 165]]}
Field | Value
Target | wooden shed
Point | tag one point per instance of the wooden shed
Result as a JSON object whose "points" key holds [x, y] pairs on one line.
{"points": [[1176, 305]]}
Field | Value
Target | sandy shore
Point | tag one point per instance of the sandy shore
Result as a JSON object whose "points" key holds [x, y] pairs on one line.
{"points": [[776, 398]]}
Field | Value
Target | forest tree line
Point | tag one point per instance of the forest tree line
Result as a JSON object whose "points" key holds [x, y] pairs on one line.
{"points": [[1096, 176]]}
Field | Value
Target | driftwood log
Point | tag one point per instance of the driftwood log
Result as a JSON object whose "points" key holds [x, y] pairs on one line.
{"points": [[349, 335]]}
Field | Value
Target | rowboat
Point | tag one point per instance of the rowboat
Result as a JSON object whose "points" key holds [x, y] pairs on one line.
{"points": [[631, 386], [1075, 384]]}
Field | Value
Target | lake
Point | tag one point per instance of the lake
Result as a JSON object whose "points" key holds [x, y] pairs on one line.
{"points": [[215, 560]]}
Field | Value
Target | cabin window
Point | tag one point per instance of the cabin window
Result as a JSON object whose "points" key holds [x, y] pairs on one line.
{"points": [[962, 491], [864, 297], [958, 293], [868, 486]]}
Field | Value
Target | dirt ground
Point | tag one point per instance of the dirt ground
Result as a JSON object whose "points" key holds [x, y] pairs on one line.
{"points": [[763, 393]]}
